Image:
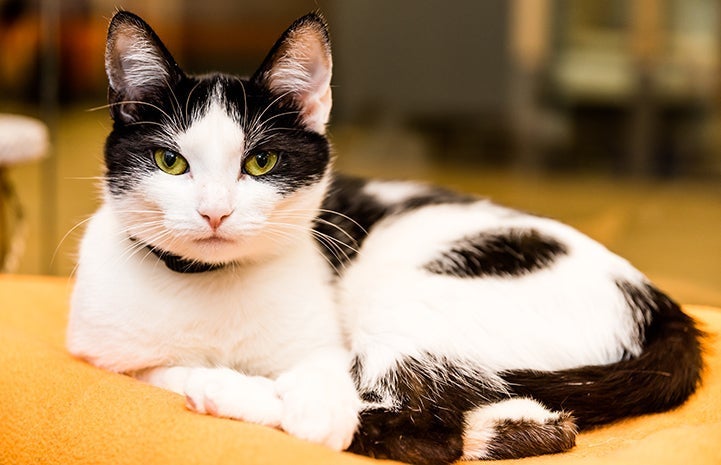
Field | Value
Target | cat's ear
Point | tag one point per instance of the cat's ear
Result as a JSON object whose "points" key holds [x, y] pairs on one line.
{"points": [[299, 67], [139, 67]]}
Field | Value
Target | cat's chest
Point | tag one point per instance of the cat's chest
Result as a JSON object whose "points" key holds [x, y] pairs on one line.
{"points": [[137, 313], [252, 323]]}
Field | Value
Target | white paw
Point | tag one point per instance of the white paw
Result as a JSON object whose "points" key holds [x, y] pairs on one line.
{"points": [[320, 410], [223, 392]]}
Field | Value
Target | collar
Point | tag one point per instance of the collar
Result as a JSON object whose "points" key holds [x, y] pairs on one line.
{"points": [[182, 265]]}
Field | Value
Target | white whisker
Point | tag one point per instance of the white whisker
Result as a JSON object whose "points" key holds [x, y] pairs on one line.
{"points": [[66, 235]]}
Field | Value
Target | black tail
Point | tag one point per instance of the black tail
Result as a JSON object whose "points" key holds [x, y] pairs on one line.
{"points": [[665, 374]]}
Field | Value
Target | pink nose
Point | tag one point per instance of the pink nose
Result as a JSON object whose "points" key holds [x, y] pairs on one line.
{"points": [[214, 219]]}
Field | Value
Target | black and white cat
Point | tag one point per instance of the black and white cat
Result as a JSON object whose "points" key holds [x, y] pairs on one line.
{"points": [[228, 263]]}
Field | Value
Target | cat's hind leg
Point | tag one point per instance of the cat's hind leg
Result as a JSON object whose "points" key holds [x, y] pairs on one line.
{"points": [[429, 436], [515, 428]]}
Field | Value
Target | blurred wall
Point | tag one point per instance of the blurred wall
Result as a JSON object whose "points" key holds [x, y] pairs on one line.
{"points": [[617, 87], [421, 58]]}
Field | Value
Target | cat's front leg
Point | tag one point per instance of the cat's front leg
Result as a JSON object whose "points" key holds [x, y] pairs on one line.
{"points": [[221, 392], [320, 402]]}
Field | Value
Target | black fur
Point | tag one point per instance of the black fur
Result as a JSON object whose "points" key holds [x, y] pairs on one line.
{"points": [[130, 145], [514, 439], [665, 374], [304, 154], [425, 423], [425, 427], [348, 214], [126, 101], [346, 217], [509, 253]]}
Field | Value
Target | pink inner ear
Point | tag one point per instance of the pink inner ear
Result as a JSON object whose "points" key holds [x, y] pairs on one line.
{"points": [[304, 70], [316, 110], [134, 62]]}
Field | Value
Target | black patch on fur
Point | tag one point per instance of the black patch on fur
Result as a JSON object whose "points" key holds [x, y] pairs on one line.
{"points": [[128, 97], [272, 124], [304, 155], [509, 253], [349, 214], [426, 425], [346, 217], [129, 147], [269, 122], [661, 378], [515, 439], [431, 437]]}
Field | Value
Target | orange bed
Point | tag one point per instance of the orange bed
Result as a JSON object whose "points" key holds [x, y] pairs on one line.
{"points": [[57, 410]]}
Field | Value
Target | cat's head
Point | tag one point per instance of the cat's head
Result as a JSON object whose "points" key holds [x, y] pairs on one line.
{"points": [[217, 168]]}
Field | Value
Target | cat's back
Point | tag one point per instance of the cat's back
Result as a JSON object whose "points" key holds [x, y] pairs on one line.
{"points": [[446, 233], [423, 270]]}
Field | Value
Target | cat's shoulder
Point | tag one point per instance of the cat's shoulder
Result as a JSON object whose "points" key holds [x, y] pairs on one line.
{"points": [[391, 193]]}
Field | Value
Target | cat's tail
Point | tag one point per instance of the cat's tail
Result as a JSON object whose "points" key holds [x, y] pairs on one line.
{"points": [[445, 416], [662, 377]]}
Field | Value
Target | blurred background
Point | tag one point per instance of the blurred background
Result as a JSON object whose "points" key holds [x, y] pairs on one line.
{"points": [[605, 114]]}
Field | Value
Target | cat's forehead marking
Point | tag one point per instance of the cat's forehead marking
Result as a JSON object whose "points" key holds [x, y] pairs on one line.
{"points": [[213, 135]]}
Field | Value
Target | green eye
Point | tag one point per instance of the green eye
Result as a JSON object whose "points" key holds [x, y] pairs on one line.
{"points": [[260, 163], [170, 162]]}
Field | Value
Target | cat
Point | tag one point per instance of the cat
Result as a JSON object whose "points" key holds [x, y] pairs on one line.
{"points": [[230, 264]]}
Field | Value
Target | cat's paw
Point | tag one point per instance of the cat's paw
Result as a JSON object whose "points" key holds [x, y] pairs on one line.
{"points": [[223, 392], [318, 409]]}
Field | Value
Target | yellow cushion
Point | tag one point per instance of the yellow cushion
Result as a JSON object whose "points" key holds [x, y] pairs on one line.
{"points": [[58, 410]]}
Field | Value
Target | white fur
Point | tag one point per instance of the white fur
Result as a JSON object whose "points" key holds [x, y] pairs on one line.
{"points": [[304, 70], [217, 391], [263, 317], [263, 339], [390, 192], [174, 206], [568, 315], [269, 337], [138, 65]]}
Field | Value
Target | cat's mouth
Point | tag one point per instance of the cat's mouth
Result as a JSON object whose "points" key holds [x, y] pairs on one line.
{"points": [[213, 240]]}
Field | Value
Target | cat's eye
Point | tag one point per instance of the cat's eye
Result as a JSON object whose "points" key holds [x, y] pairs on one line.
{"points": [[260, 163], [170, 162]]}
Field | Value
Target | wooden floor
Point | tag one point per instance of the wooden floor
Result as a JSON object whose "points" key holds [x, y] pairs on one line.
{"points": [[671, 230]]}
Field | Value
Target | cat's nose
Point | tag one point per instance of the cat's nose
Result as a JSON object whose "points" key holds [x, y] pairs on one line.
{"points": [[214, 218]]}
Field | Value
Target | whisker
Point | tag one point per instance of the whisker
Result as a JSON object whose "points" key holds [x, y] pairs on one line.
{"points": [[137, 102], [187, 101], [66, 235], [137, 246], [245, 103], [334, 246], [330, 212], [322, 221], [285, 235], [176, 107], [84, 178], [267, 107]]}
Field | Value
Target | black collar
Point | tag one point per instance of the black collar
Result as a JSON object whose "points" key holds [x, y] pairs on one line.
{"points": [[182, 265]]}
